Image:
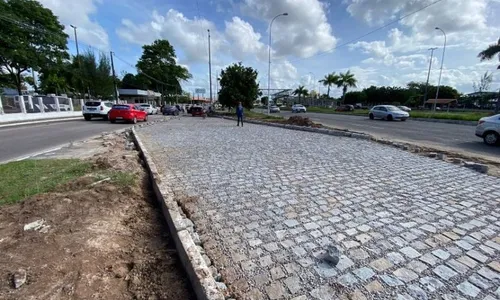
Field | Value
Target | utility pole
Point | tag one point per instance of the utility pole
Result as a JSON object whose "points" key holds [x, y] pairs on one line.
{"points": [[209, 66], [269, 63], [441, 70], [34, 79], [114, 77], [79, 59], [428, 75], [216, 86]]}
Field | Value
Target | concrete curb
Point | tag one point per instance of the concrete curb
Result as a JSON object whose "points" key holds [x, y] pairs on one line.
{"points": [[16, 124], [181, 229]]}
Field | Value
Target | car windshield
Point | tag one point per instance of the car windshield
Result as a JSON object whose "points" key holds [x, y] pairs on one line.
{"points": [[145, 105], [121, 107], [392, 108]]}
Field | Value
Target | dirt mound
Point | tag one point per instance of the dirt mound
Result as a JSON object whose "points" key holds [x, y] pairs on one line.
{"points": [[87, 240], [301, 121]]}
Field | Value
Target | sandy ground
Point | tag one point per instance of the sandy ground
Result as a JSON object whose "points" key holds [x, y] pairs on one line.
{"points": [[100, 241]]}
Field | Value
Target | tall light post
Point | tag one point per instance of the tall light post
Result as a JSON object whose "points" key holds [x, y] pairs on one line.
{"points": [[269, 65], [76, 40], [210, 67], [428, 75], [314, 79], [79, 59], [441, 70]]}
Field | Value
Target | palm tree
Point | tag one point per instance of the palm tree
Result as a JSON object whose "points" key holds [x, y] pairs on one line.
{"points": [[487, 54], [301, 91], [329, 81], [346, 80]]}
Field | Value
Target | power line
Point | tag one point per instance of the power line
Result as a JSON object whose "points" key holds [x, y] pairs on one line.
{"points": [[368, 33]]}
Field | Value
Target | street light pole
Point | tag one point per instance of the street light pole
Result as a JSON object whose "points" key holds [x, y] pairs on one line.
{"points": [[428, 75], [209, 66], [269, 65], [79, 60], [76, 40], [441, 70]]}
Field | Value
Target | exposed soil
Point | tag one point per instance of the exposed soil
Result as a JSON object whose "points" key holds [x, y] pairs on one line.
{"points": [[98, 241]]}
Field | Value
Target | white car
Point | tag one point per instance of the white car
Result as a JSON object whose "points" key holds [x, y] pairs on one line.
{"points": [[404, 108], [388, 112], [149, 108], [488, 128], [96, 109], [297, 108], [274, 109]]}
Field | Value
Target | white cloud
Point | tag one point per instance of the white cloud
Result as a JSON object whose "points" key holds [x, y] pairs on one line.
{"points": [[78, 13], [303, 33], [244, 40]]}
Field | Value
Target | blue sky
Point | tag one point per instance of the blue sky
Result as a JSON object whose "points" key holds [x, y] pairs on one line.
{"points": [[307, 44]]}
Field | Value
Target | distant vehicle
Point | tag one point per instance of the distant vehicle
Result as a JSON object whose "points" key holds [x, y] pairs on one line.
{"points": [[488, 128], [149, 108], [297, 108], [197, 111], [96, 109], [345, 108], [358, 106], [128, 113], [170, 110], [274, 109], [404, 108], [388, 112]]}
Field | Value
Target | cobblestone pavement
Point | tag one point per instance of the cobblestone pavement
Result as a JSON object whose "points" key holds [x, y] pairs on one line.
{"points": [[270, 200]]}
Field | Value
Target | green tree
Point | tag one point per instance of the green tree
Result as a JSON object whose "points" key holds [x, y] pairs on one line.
{"points": [[329, 81], [35, 40], [301, 91], [263, 100], [482, 87], [488, 54], [158, 61], [346, 80], [355, 97], [238, 84], [131, 81]]}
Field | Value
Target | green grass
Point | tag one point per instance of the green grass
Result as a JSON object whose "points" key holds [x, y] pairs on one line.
{"points": [[22, 179], [461, 116]]}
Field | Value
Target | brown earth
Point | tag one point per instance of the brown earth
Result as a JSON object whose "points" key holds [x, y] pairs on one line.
{"points": [[104, 240]]}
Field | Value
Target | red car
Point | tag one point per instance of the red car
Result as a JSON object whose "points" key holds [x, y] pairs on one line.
{"points": [[197, 111], [128, 113]]}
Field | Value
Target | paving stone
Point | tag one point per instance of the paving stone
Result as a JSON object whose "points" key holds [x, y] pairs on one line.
{"points": [[451, 235], [489, 274], [277, 273], [441, 254], [325, 270], [363, 238], [293, 284], [405, 274], [391, 280], [444, 272], [479, 281], [410, 252], [464, 245], [374, 287], [381, 264], [350, 244], [417, 292], [254, 294], [364, 228], [430, 283], [271, 247], [261, 279], [469, 262], [291, 223], [477, 256], [275, 291], [468, 289], [364, 273], [395, 258], [495, 265], [358, 254], [344, 263], [347, 279], [417, 266], [265, 261], [323, 292], [457, 266]]}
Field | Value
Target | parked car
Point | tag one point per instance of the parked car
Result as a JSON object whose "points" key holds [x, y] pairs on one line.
{"points": [[170, 110], [197, 111], [96, 109], [488, 128], [149, 108], [388, 112], [274, 109], [345, 108], [128, 113], [404, 108], [297, 108]]}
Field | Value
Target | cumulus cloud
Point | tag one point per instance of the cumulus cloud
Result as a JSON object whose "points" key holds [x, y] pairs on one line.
{"points": [[303, 33], [78, 13], [244, 40]]}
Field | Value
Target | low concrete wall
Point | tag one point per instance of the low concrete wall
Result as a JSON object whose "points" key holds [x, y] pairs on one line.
{"points": [[181, 228], [21, 117], [459, 122]]}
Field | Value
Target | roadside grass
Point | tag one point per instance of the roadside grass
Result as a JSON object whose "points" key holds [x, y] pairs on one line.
{"points": [[461, 116], [22, 179]]}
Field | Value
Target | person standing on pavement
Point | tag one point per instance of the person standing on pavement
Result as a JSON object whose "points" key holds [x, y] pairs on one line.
{"points": [[239, 114]]}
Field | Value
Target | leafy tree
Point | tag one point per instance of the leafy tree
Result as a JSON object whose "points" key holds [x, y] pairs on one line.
{"points": [[35, 40], [263, 100], [490, 52], [355, 97], [158, 61], [329, 81], [238, 84], [131, 81], [346, 80], [482, 87], [301, 91]]}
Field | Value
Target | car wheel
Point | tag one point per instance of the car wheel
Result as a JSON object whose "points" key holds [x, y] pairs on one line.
{"points": [[134, 120], [371, 116], [389, 118], [112, 121], [402, 120], [87, 118], [491, 138], [145, 118], [106, 117]]}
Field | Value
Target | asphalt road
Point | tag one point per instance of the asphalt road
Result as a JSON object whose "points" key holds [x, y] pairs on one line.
{"points": [[455, 137], [22, 141]]}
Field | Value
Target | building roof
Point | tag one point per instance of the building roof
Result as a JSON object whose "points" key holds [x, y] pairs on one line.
{"points": [[440, 101], [136, 92]]}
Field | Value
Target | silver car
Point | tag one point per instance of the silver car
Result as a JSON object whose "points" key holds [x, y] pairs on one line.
{"points": [[274, 109], [388, 112], [488, 128], [297, 108]]}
